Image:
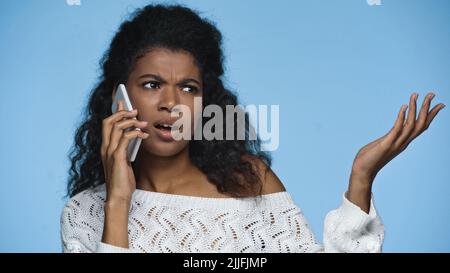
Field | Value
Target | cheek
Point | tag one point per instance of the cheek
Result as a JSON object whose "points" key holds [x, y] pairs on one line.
{"points": [[145, 99], [146, 106], [190, 103]]}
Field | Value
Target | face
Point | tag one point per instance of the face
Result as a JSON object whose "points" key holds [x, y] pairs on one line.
{"points": [[160, 80]]}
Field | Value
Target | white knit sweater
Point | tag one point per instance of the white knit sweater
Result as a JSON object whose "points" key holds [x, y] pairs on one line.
{"points": [[161, 222]]}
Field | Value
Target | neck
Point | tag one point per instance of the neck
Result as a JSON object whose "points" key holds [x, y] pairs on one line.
{"points": [[162, 173]]}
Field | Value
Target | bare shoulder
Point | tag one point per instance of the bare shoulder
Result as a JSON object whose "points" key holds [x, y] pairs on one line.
{"points": [[270, 181]]}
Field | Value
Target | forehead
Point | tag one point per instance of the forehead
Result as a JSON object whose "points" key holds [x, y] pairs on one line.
{"points": [[167, 63]]}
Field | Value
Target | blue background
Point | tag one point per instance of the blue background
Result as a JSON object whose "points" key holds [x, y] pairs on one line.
{"points": [[340, 70]]}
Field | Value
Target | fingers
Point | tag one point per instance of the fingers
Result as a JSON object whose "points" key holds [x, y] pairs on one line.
{"points": [[117, 132], [410, 122], [412, 127], [398, 126], [121, 151], [422, 119], [109, 121], [433, 114], [120, 105]]}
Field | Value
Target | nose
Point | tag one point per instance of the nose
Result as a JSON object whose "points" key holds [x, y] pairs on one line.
{"points": [[168, 99]]}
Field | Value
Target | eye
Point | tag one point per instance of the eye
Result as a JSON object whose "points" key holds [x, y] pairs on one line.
{"points": [[189, 89], [151, 85]]}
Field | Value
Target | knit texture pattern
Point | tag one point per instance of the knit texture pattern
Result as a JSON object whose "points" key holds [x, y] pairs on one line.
{"points": [[161, 222]]}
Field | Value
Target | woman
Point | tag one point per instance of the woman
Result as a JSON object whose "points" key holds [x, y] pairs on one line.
{"points": [[198, 195]]}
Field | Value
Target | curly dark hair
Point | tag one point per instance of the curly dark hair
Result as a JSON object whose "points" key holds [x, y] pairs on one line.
{"points": [[175, 27]]}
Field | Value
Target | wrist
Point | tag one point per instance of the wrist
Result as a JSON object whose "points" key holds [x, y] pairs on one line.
{"points": [[118, 198], [360, 187], [360, 192], [117, 204], [115, 226], [360, 183], [362, 179], [356, 188]]}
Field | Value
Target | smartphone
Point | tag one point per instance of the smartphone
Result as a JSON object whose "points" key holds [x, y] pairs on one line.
{"points": [[133, 146]]}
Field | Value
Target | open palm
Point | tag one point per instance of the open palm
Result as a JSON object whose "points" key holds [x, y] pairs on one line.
{"points": [[375, 155]]}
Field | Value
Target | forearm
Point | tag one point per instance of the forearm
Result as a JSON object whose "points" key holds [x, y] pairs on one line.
{"points": [[115, 229], [360, 191]]}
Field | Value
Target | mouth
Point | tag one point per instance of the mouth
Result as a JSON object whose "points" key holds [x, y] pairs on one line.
{"points": [[168, 127], [166, 124], [164, 129]]}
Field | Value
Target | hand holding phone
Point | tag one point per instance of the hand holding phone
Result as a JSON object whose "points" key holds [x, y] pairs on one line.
{"points": [[119, 176], [133, 146]]}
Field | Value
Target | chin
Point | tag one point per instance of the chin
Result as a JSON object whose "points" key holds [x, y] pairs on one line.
{"points": [[160, 148]]}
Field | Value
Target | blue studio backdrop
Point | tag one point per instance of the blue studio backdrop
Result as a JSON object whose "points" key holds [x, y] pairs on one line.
{"points": [[339, 71]]}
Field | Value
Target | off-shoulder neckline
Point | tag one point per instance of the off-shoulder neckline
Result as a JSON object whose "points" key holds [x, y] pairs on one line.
{"points": [[270, 200]]}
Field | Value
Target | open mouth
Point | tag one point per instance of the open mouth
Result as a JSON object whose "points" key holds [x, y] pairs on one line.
{"points": [[164, 131], [166, 127]]}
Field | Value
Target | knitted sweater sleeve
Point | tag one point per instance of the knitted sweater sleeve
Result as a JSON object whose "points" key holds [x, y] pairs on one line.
{"points": [[350, 229], [346, 229]]}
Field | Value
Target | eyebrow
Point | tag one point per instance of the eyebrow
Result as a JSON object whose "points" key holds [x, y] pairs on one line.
{"points": [[161, 79]]}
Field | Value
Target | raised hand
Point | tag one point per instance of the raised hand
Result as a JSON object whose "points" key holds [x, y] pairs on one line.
{"points": [[374, 156]]}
